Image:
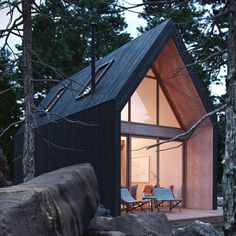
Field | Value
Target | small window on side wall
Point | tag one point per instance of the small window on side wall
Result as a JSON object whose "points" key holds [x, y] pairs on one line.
{"points": [[101, 70], [55, 98]]}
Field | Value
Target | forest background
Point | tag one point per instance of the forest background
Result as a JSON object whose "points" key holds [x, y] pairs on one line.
{"points": [[56, 38], [60, 44]]}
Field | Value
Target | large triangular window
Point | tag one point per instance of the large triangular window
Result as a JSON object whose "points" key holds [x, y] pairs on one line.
{"points": [[150, 104], [101, 70]]}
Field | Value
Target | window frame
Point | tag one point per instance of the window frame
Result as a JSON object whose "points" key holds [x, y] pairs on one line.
{"points": [[87, 88], [55, 98]]}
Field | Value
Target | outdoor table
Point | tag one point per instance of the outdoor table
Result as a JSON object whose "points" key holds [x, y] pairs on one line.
{"points": [[152, 199]]}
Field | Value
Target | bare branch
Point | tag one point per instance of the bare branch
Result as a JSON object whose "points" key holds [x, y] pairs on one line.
{"points": [[6, 90], [204, 60], [7, 32], [217, 16], [49, 143], [36, 7], [64, 118], [2, 132], [188, 133], [191, 129], [58, 72]]}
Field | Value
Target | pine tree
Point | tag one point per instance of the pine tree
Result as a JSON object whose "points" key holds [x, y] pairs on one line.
{"points": [[61, 35], [203, 32], [8, 106], [229, 176]]}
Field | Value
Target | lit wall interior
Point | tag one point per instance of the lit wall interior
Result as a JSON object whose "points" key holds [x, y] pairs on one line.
{"points": [[123, 147], [143, 106], [143, 163], [166, 115], [150, 105], [171, 166]]}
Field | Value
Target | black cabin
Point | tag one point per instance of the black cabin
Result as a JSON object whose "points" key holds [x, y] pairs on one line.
{"points": [[145, 94]]}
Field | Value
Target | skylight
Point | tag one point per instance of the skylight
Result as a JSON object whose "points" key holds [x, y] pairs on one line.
{"points": [[55, 98], [98, 75]]}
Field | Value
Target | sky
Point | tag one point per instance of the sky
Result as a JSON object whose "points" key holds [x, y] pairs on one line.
{"points": [[4, 19], [133, 22], [131, 18]]}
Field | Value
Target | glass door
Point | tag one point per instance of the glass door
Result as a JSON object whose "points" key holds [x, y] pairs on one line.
{"points": [[143, 163], [161, 166], [171, 166]]}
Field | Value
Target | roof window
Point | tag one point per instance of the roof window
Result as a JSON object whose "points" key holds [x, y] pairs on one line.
{"points": [[98, 74], [55, 98]]}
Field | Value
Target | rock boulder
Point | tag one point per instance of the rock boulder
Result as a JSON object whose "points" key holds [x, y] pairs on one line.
{"points": [[61, 202], [197, 228], [152, 224]]}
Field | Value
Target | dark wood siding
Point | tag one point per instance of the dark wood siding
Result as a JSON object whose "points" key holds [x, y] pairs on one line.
{"points": [[99, 145]]}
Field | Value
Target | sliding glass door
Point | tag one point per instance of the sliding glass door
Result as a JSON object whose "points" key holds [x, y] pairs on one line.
{"points": [[171, 166], [161, 166], [144, 163]]}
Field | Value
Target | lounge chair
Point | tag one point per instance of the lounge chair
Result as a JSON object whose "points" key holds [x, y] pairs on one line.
{"points": [[130, 203], [166, 195], [133, 190]]}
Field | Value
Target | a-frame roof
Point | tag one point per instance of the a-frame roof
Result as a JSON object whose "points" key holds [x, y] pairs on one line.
{"points": [[130, 63]]}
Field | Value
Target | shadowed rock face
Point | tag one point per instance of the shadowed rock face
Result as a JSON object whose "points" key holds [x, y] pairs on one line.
{"points": [[61, 202], [151, 224], [197, 228]]}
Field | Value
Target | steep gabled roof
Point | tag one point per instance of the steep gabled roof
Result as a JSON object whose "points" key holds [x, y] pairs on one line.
{"points": [[129, 65]]}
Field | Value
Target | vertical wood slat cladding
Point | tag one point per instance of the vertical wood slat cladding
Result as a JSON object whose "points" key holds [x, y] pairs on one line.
{"points": [[99, 144]]}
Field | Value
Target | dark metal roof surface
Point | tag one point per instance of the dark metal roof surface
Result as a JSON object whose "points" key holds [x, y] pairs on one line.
{"points": [[130, 63]]}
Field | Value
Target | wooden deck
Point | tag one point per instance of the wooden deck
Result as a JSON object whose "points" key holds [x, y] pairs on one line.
{"points": [[179, 219], [187, 216]]}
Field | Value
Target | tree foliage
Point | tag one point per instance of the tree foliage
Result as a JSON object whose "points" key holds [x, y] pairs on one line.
{"points": [[60, 46], [203, 31], [61, 35], [8, 106]]}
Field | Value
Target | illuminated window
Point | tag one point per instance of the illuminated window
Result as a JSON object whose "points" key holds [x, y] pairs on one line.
{"points": [[144, 102], [55, 98], [98, 74]]}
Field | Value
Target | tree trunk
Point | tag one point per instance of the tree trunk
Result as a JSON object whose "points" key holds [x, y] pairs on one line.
{"points": [[28, 149], [229, 176]]}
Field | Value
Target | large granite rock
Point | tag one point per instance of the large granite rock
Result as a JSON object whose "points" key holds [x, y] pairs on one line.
{"points": [[152, 224], [197, 228], [61, 202]]}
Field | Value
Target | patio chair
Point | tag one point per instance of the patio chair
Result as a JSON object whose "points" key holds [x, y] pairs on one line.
{"points": [[166, 195], [133, 191], [148, 189], [130, 203]]}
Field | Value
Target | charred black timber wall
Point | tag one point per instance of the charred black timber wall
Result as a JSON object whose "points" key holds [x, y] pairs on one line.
{"points": [[97, 144]]}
